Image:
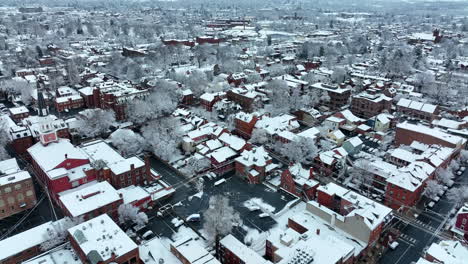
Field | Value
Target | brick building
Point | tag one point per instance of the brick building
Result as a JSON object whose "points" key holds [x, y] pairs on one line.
{"points": [[110, 166], [16, 189], [59, 165], [100, 240], [25, 245], [460, 228], [338, 96], [189, 251], [207, 100], [299, 181], [254, 165], [415, 109], [232, 251], [19, 113], [406, 133], [370, 103], [91, 200], [244, 124]]}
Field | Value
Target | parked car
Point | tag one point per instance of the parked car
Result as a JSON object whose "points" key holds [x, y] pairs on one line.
{"points": [[193, 218], [431, 204], [394, 245], [148, 235]]}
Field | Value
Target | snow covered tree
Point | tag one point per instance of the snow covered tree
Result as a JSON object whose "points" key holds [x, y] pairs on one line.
{"points": [[338, 75], [444, 176], [259, 136], [163, 136], [162, 101], [432, 189], [361, 173], [58, 233], [95, 122], [220, 218], [4, 140], [279, 98], [129, 213], [195, 165], [300, 149], [326, 145], [127, 141], [458, 195], [464, 156]]}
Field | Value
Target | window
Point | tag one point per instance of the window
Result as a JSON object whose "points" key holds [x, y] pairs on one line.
{"points": [[74, 184], [29, 193], [7, 189], [2, 203], [17, 186], [11, 200], [464, 221], [20, 197]]}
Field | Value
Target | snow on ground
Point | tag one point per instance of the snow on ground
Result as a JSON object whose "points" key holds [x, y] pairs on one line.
{"points": [[254, 203]]}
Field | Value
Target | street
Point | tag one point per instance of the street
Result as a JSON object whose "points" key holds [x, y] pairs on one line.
{"points": [[413, 240]]}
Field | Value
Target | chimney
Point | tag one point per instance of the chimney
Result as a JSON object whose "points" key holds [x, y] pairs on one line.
{"points": [[132, 166], [66, 156], [318, 231], [121, 195]]}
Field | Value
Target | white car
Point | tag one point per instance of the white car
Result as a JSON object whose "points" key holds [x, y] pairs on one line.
{"points": [[431, 204], [394, 245]]}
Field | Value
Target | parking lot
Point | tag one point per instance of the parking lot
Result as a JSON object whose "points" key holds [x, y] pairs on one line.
{"points": [[187, 201]]}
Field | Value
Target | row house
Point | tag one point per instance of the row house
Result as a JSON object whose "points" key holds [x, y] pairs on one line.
{"points": [[406, 133], [16, 189], [370, 103], [309, 116], [178, 42], [436, 155], [209, 40], [274, 125], [101, 240], [19, 136], [415, 109], [244, 97], [254, 165], [299, 181], [445, 251], [405, 187]]}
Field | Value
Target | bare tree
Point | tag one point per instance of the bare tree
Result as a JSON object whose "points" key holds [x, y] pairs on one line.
{"points": [[58, 233], [220, 218], [259, 136], [195, 165], [129, 213], [163, 136]]}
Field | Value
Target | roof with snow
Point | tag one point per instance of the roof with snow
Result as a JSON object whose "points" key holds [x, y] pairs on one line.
{"points": [[448, 251], [258, 156], [244, 253], [100, 238], [83, 200], [433, 132]]}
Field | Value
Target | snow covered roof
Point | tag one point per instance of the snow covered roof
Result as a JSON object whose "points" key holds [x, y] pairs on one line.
{"points": [[100, 238], [14, 177], [57, 256], [25, 240], [233, 141], [447, 123], [89, 198], [100, 150], [223, 154], [258, 156], [355, 141], [329, 88], [19, 110], [448, 251], [154, 250], [433, 132], [244, 253], [50, 156], [310, 133], [277, 124], [133, 193], [372, 213], [412, 176], [193, 252], [350, 117], [415, 105], [9, 166]]}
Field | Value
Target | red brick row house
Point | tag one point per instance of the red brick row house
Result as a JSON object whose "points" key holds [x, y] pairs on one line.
{"points": [[370, 103], [254, 165], [415, 109]]}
